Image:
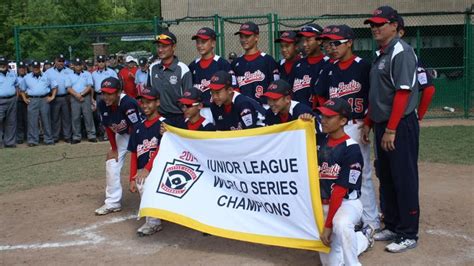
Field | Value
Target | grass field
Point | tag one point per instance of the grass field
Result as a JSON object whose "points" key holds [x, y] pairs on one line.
{"points": [[24, 168]]}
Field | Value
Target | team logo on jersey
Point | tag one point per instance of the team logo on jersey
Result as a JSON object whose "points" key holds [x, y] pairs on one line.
{"points": [[146, 146], [381, 64], [173, 80], [178, 177], [246, 116], [119, 127], [250, 77], [203, 86], [132, 115], [329, 172], [344, 89], [299, 84]]}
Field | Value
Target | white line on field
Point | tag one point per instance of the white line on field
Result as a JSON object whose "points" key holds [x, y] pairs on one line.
{"points": [[441, 232], [89, 233]]}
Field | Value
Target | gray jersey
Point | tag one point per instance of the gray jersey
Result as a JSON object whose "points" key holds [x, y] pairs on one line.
{"points": [[393, 69]]}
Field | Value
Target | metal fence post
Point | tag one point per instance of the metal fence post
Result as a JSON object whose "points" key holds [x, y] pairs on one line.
{"points": [[219, 35], [16, 33], [277, 34], [467, 64], [223, 37], [270, 35], [418, 41]]}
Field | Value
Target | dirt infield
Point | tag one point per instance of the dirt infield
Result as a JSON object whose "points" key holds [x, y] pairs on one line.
{"points": [[56, 225]]}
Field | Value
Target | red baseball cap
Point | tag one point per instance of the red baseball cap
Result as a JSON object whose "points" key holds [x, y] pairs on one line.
{"points": [[383, 14], [220, 79], [110, 85]]}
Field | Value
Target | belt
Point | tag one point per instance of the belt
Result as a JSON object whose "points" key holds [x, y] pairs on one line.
{"points": [[325, 201], [62, 95], [98, 93], [41, 96], [7, 97]]}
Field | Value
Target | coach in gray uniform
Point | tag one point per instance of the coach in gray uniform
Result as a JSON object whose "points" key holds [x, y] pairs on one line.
{"points": [[8, 105], [80, 88], [169, 77], [60, 114], [393, 98], [37, 92]]}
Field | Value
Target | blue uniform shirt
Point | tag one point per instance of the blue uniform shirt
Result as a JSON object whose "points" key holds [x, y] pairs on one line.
{"points": [[141, 77], [79, 81], [122, 118], [340, 163], [60, 77], [202, 76], [8, 84], [145, 141], [254, 77], [99, 75], [37, 85], [245, 113]]}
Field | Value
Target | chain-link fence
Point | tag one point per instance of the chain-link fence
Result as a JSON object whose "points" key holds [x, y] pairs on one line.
{"points": [[443, 43]]}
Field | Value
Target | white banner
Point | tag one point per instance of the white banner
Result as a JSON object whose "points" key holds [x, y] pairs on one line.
{"points": [[259, 185]]}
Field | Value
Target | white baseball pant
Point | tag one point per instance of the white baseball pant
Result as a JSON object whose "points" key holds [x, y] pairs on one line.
{"points": [[346, 244], [113, 189], [370, 214]]}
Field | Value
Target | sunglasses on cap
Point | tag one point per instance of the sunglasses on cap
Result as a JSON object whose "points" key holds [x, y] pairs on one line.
{"points": [[163, 37], [309, 28], [337, 43], [187, 106]]}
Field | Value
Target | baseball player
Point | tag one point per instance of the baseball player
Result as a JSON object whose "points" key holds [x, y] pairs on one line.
{"points": [[393, 116], [119, 113], [340, 169], [141, 76], [289, 51], [254, 70], [143, 145], [8, 105], [46, 65], [127, 76], [22, 107], [348, 78], [169, 77], [206, 65], [79, 86], [230, 109], [191, 103], [37, 92], [307, 69], [325, 44], [60, 113]]}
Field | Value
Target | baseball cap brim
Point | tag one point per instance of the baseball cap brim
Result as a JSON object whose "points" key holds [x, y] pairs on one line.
{"points": [[108, 90], [287, 40], [216, 87], [148, 97], [187, 101], [326, 111], [307, 34], [245, 32], [201, 36], [167, 42], [376, 20], [273, 95], [332, 37]]}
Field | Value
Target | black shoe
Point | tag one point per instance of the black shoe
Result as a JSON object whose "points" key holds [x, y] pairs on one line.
{"points": [[19, 142], [49, 144], [75, 141], [32, 144], [67, 140], [10, 146], [92, 140], [56, 141]]}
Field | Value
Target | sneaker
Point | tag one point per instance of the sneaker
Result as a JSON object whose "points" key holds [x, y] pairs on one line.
{"points": [[105, 210], [369, 232], [401, 245], [385, 235], [148, 229]]}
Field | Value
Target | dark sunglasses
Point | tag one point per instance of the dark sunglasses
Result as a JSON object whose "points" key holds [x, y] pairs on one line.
{"points": [[101, 61], [377, 25]]}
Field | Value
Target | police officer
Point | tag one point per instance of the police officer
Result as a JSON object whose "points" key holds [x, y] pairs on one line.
{"points": [[46, 65], [21, 113], [80, 87], [141, 76], [8, 105], [37, 92], [60, 114]]}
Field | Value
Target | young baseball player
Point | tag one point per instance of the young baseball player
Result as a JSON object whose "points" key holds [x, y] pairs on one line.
{"points": [[144, 145], [340, 169], [348, 79], [230, 109], [191, 103], [254, 70], [119, 113], [289, 51], [307, 69]]}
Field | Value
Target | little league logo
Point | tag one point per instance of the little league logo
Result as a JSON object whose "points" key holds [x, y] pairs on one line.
{"points": [[178, 177]]}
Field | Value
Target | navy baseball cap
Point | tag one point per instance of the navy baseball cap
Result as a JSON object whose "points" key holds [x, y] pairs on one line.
{"points": [[190, 96], [100, 58], [219, 80], [3, 61], [287, 36], [339, 32], [205, 34], [46, 62], [89, 62], [310, 30], [277, 89], [383, 14], [36, 64], [21, 64], [401, 23], [77, 61], [149, 94], [248, 28], [110, 85], [60, 57], [336, 106], [142, 61], [166, 37]]}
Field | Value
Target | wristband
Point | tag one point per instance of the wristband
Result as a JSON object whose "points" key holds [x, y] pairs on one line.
{"points": [[390, 131]]}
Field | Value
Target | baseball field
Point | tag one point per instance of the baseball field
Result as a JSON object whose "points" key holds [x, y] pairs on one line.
{"points": [[48, 195]]}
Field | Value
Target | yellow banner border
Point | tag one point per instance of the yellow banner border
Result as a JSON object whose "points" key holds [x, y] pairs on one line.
{"points": [[313, 182]]}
